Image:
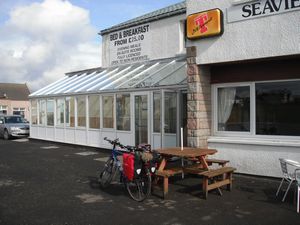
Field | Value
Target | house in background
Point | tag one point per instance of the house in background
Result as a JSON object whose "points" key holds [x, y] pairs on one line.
{"points": [[14, 99]]}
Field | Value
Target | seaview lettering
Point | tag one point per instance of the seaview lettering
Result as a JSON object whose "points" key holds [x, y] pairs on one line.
{"points": [[269, 6]]}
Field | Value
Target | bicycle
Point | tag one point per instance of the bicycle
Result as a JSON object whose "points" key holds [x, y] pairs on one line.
{"points": [[139, 187]]}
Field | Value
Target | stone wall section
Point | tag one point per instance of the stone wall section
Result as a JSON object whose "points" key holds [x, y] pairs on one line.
{"points": [[198, 101]]}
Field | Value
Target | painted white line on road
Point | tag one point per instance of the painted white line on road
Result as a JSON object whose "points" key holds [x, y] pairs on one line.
{"points": [[49, 147], [86, 153], [104, 159], [21, 140]]}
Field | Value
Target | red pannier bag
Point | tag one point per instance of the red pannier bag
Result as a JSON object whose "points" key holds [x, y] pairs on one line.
{"points": [[128, 166]]}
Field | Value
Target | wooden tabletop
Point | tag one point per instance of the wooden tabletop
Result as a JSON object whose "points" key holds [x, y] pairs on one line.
{"points": [[186, 152]]}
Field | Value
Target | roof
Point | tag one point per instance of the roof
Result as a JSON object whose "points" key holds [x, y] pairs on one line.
{"points": [[14, 91], [149, 74], [172, 10]]}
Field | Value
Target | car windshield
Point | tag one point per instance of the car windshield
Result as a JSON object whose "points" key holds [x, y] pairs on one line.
{"points": [[14, 119]]}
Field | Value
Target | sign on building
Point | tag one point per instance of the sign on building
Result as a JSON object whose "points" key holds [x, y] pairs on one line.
{"points": [[205, 24], [130, 45], [255, 9]]}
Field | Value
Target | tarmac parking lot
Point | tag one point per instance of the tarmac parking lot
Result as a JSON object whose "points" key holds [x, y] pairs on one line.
{"points": [[46, 183]]}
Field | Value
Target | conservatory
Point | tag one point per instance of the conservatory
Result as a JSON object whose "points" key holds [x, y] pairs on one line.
{"points": [[143, 102]]}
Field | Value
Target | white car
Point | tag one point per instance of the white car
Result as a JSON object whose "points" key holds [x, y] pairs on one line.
{"points": [[13, 126]]}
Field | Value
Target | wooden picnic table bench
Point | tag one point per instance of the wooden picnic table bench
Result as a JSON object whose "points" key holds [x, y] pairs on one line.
{"points": [[213, 178], [187, 152]]}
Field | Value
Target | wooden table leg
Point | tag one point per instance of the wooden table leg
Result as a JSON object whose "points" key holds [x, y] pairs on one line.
{"points": [[166, 186], [203, 162]]}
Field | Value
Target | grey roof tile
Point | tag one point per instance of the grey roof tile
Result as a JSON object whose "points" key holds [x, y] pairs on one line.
{"points": [[172, 10], [13, 91]]}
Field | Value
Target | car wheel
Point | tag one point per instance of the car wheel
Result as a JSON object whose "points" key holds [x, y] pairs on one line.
{"points": [[6, 135]]}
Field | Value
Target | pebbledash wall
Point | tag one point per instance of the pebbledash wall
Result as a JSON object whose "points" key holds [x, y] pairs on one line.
{"points": [[243, 86]]}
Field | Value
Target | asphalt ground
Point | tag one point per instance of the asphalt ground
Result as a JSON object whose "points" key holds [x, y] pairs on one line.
{"points": [[45, 183]]}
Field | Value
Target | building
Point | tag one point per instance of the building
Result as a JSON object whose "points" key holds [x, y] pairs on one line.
{"points": [[14, 99], [226, 71], [245, 83]]}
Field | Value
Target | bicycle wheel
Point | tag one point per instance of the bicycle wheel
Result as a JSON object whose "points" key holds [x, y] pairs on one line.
{"points": [[107, 173], [139, 188]]}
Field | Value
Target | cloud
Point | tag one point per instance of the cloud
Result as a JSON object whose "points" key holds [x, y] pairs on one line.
{"points": [[42, 41]]}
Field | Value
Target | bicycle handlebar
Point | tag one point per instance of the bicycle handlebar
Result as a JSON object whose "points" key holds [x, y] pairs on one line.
{"points": [[128, 147]]}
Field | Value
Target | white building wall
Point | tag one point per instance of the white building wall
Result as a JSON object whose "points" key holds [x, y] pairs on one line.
{"points": [[273, 35], [165, 39], [257, 159], [261, 37]]}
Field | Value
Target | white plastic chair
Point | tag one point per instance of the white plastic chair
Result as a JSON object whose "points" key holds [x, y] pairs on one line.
{"points": [[297, 171], [288, 168]]}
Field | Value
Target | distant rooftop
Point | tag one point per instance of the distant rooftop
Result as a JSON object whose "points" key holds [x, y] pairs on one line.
{"points": [[12, 91], [172, 10]]}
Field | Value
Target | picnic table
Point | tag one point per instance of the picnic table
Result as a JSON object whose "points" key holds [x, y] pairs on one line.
{"points": [[200, 166]]}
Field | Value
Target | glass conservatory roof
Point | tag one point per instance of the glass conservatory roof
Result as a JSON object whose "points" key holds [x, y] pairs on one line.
{"points": [[167, 72]]}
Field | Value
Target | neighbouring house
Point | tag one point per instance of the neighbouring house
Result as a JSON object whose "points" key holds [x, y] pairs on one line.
{"points": [[14, 99]]}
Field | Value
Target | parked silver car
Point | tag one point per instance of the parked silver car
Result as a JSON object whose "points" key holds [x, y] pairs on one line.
{"points": [[13, 126]]}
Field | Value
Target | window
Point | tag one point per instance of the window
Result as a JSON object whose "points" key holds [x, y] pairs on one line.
{"points": [[19, 111], [234, 108], [3, 109], [42, 112], [50, 112], [123, 112], [70, 112], [278, 108], [108, 111], [170, 112], [156, 112], [94, 112], [81, 111], [60, 111], [34, 112], [261, 108]]}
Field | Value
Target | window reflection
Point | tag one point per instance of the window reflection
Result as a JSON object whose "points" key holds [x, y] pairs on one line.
{"points": [[70, 111], [170, 112], [108, 111], [94, 112], [50, 112], [34, 114], [81, 111], [278, 108], [123, 112], [60, 111]]}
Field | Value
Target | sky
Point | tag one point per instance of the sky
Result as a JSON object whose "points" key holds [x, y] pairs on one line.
{"points": [[41, 40]]}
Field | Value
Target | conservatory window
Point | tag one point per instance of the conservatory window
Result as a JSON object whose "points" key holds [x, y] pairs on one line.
{"points": [[81, 111], [94, 112], [60, 111], [42, 112], [70, 111], [123, 112], [156, 112], [170, 112], [50, 112], [34, 112], [108, 111]]}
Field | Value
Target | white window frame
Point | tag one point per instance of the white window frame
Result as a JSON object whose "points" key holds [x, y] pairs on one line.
{"points": [[252, 133], [4, 108]]}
